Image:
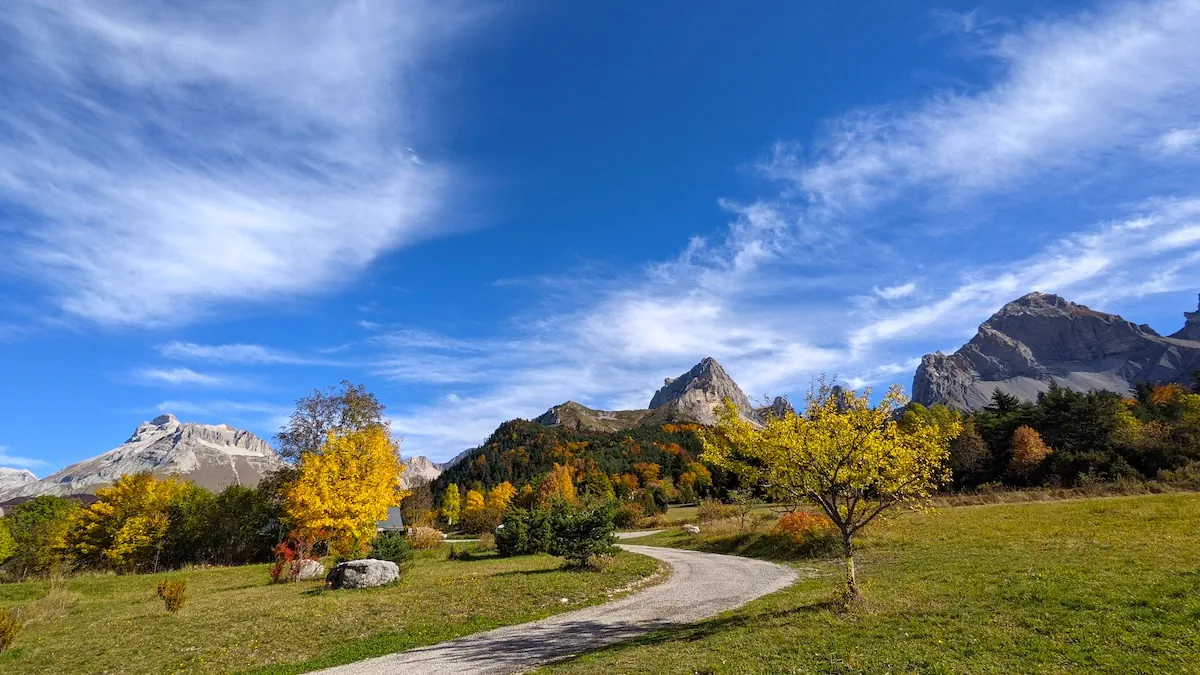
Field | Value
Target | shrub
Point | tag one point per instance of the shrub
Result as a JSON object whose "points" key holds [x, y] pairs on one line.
{"points": [[289, 557], [10, 628], [711, 509], [524, 532], [580, 533], [173, 593], [629, 515], [480, 520], [487, 541], [392, 546], [422, 538], [813, 533]]}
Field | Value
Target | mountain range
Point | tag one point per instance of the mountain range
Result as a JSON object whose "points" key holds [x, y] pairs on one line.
{"points": [[1041, 338], [1028, 343]]}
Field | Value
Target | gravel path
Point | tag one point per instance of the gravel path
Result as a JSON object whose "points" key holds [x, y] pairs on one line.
{"points": [[701, 585]]}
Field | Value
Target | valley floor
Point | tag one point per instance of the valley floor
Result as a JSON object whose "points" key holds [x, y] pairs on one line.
{"points": [[235, 621], [1106, 585]]}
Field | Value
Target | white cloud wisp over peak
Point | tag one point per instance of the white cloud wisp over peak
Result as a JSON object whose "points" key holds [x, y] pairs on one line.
{"points": [[169, 159]]}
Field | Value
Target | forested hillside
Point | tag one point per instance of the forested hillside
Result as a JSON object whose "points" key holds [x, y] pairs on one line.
{"points": [[521, 452]]}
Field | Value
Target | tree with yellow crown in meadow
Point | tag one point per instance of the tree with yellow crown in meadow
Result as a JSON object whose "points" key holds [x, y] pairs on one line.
{"points": [[341, 492], [849, 458]]}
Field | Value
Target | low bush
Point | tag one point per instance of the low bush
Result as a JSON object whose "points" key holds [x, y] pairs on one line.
{"points": [[393, 546], [524, 532], [480, 520], [10, 628], [487, 541], [173, 593], [423, 538], [711, 509], [578, 534], [629, 515], [813, 533]]}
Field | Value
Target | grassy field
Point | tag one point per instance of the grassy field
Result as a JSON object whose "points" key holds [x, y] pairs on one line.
{"points": [[1106, 585], [234, 621]]}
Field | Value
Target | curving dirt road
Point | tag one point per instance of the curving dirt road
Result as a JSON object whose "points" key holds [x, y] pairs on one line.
{"points": [[701, 585]]}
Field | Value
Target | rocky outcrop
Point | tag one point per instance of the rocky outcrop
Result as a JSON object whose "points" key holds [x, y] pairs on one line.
{"points": [[419, 468], [778, 409], [368, 573], [211, 456], [14, 478], [1041, 338], [689, 398], [694, 395], [1191, 326]]}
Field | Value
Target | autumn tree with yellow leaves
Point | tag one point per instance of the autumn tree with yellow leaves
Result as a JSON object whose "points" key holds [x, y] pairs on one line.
{"points": [[475, 501], [501, 496], [849, 458], [558, 484], [125, 528], [341, 492]]}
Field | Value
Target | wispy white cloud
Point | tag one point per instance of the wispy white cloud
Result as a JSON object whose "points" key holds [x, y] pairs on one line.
{"points": [[185, 376], [1180, 141], [169, 158], [16, 461], [896, 292], [1071, 91], [240, 354]]}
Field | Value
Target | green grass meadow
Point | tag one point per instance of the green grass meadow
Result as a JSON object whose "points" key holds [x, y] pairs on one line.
{"points": [[235, 621], [1106, 585]]}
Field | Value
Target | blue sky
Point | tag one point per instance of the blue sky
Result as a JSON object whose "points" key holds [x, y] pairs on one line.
{"points": [[480, 210]]}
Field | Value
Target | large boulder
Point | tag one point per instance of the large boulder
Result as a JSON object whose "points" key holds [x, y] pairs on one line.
{"points": [[309, 570], [367, 573]]}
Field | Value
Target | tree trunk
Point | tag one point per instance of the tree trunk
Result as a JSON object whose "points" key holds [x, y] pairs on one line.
{"points": [[851, 581]]}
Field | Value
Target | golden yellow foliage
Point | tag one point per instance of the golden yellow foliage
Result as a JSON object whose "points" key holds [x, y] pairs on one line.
{"points": [[341, 492], [125, 527], [451, 503], [557, 484], [847, 457], [501, 496], [475, 501]]}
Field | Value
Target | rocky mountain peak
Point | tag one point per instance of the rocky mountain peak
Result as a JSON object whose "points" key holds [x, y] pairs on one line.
{"points": [[695, 393], [1040, 338], [212, 456], [11, 478], [1191, 325]]}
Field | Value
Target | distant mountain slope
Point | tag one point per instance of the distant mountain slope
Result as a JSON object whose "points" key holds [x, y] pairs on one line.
{"points": [[687, 399], [13, 478], [1041, 338], [212, 456], [419, 467], [611, 441]]}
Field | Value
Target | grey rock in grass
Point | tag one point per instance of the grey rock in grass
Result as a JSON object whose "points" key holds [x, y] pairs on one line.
{"points": [[310, 570], [366, 573]]}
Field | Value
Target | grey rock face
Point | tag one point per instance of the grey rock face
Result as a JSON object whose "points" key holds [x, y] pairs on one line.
{"points": [[1191, 326], [419, 467], [1039, 338], [212, 456], [695, 394], [778, 409], [367, 573], [13, 478]]}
